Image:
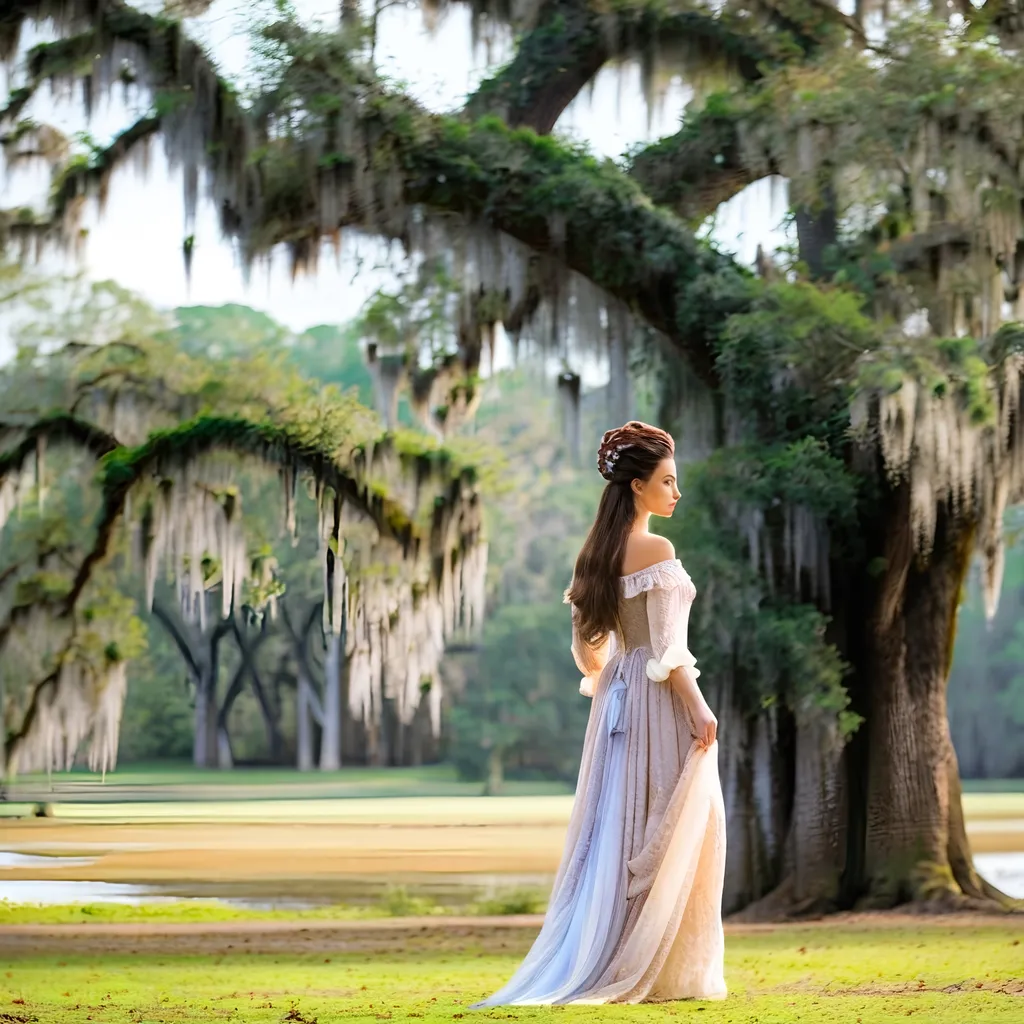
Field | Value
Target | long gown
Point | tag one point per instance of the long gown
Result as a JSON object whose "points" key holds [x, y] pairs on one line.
{"points": [[636, 909]]}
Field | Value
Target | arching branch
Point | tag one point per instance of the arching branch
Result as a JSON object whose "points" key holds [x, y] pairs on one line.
{"points": [[56, 428], [571, 40], [274, 445], [700, 167], [94, 176]]}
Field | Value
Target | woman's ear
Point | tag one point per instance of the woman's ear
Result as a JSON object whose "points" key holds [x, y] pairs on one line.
{"points": [[637, 485]]}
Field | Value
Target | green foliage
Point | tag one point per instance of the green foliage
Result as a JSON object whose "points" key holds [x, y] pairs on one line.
{"points": [[772, 645], [334, 355], [802, 473], [788, 363], [229, 331], [520, 703], [515, 901], [157, 718], [955, 367]]}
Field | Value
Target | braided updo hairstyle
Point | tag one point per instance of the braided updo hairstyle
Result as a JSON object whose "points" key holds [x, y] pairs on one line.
{"points": [[627, 453]]}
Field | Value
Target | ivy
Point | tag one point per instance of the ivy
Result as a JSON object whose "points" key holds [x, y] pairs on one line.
{"points": [[790, 362]]}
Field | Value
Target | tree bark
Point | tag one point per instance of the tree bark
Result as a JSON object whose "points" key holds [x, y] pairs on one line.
{"points": [[330, 737], [225, 755], [247, 652], [304, 716], [757, 788], [204, 733], [495, 772], [816, 230], [816, 847], [201, 653], [914, 821], [876, 821]]}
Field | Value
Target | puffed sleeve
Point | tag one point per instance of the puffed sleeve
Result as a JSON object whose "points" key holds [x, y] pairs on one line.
{"points": [[668, 615], [590, 660]]}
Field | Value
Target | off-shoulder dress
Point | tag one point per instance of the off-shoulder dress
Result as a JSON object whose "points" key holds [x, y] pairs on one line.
{"points": [[635, 913]]}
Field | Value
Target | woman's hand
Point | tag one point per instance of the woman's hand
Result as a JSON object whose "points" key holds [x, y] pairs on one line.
{"points": [[705, 725]]}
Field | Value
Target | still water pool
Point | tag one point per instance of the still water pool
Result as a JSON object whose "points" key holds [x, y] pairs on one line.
{"points": [[1004, 870]]}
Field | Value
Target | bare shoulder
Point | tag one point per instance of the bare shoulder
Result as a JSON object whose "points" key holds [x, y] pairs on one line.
{"points": [[644, 550]]}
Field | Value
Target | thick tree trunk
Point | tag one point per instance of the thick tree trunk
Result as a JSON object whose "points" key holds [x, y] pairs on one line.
{"points": [[816, 846], [225, 755], [912, 772], [877, 821], [201, 653], [756, 786]]}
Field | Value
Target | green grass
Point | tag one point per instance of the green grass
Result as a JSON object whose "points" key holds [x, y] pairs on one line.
{"points": [[395, 901], [942, 974], [171, 780], [992, 785]]}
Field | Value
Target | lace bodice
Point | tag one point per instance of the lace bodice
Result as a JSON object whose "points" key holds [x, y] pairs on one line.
{"points": [[654, 612]]}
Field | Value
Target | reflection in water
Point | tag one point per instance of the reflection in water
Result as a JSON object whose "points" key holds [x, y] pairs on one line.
{"points": [[1004, 870], [396, 894], [31, 860]]}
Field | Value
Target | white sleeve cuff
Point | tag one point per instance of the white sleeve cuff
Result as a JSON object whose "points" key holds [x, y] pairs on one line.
{"points": [[677, 656]]}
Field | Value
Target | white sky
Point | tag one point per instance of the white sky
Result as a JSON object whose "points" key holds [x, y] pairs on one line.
{"points": [[439, 67]]}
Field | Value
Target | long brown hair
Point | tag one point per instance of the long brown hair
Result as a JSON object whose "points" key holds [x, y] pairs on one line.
{"points": [[630, 452]]}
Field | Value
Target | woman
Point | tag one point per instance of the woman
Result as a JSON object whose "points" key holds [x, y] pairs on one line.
{"points": [[636, 910]]}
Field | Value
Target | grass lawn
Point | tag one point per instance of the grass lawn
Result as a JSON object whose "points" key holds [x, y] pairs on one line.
{"points": [[859, 970], [182, 781]]}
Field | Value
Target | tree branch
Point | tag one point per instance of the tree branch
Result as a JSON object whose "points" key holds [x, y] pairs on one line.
{"points": [[165, 619], [55, 429], [13, 740], [571, 40], [234, 689], [247, 652], [700, 167]]}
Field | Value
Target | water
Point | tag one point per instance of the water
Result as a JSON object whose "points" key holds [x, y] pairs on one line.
{"points": [[455, 890], [53, 892], [1004, 870], [31, 860]]}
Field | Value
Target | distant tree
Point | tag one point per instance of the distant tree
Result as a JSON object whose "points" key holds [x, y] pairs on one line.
{"points": [[522, 713]]}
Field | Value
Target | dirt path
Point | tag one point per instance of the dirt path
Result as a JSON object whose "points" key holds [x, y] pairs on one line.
{"points": [[384, 936]]}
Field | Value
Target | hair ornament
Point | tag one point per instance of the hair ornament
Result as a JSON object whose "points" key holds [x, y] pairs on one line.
{"points": [[612, 457]]}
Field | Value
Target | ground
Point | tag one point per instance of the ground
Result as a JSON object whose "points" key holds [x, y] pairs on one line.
{"points": [[231, 837], [276, 833], [856, 969]]}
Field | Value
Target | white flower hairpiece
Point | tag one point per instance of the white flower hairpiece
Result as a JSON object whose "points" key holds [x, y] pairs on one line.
{"points": [[613, 456]]}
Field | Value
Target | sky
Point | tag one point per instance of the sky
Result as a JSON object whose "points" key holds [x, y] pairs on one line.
{"points": [[136, 239]]}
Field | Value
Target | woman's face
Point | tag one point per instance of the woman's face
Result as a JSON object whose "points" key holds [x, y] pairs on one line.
{"points": [[659, 494]]}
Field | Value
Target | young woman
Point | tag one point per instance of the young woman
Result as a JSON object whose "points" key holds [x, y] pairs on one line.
{"points": [[636, 910]]}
